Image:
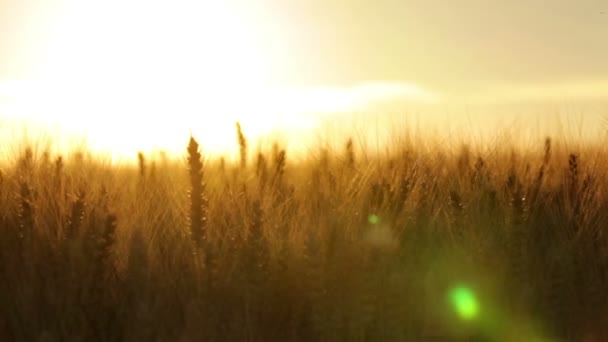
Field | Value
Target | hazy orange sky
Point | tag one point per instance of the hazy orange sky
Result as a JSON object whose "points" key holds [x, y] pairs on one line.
{"points": [[271, 63]]}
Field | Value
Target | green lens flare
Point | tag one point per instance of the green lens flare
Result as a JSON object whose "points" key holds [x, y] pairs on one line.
{"points": [[464, 301], [373, 219]]}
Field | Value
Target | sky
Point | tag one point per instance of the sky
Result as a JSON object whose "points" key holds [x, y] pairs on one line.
{"points": [[281, 64], [465, 43]]}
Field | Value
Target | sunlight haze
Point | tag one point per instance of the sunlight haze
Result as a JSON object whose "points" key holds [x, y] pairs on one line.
{"points": [[150, 72]]}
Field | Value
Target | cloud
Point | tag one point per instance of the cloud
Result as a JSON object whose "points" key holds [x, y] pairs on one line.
{"points": [[540, 92], [360, 96]]}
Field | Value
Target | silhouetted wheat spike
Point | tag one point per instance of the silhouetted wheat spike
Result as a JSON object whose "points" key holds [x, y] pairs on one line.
{"points": [[58, 173], [511, 181], [574, 194], [223, 166], [479, 175], [537, 185], [198, 205], [26, 163], [142, 164], [540, 176], [76, 216], [26, 211], [26, 215], [260, 164], [279, 167], [573, 176], [350, 153], [464, 160], [242, 145], [261, 171], [106, 241], [153, 171], [275, 150]]}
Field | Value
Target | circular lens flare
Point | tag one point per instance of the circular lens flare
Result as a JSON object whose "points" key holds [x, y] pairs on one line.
{"points": [[464, 302]]}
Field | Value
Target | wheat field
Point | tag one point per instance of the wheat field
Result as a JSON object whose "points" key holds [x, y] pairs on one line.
{"points": [[418, 243]]}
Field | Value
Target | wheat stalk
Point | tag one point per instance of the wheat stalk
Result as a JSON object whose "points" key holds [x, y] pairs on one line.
{"points": [[198, 200], [242, 140], [350, 154], [76, 216], [142, 164]]}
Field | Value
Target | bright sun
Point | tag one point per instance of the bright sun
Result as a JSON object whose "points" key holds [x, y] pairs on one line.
{"points": [[162, 69], [131, 75]]}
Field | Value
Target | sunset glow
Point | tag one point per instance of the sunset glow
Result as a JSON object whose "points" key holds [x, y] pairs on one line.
{"points": [[310, 170], [151, 73]]}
